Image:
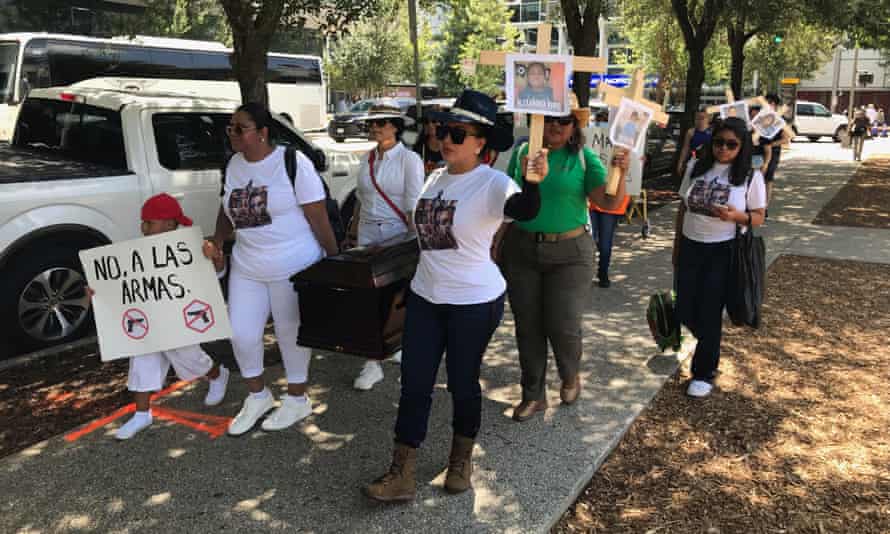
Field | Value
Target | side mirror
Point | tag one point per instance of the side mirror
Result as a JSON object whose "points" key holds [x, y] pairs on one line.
{"points": [[321, 160], [24, 90]]}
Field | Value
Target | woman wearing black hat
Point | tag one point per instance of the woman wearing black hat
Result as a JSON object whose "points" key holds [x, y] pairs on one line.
{"points": [[389, 183], [456, 299]]}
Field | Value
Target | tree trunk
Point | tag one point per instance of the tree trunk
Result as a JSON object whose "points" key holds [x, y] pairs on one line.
{"points": [[737, 42], [584, 35], [581, 80], [695, 77], [249, 63], [253, 25]]}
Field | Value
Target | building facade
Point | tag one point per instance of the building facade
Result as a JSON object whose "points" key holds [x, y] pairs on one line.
{"points": [[871, 76]]}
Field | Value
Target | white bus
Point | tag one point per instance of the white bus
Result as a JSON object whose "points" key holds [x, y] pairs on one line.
{"points": [[38, 60]]}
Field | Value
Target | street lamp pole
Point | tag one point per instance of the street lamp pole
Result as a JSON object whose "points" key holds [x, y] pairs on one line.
{"points": [[412, 22]]}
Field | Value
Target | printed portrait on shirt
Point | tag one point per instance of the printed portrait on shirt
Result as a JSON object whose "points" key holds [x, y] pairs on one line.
{"points": [[249, 207], [434, 219], [705, 195]]}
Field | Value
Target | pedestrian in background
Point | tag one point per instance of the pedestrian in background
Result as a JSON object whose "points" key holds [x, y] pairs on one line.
{"points": [[548, 261], [858, 132], [694, 138], [389, 182], [719, 192], [773, 146], [280, 227]]}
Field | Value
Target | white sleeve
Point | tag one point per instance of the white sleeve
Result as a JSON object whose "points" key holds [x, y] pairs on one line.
{"points": [[414, 175], [307, 185], [757, 192], [501, 188], [687, 179]]}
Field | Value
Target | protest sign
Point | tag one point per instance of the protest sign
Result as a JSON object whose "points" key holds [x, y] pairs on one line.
{"points": [[155, 293], [598, 140], [630, 124], [538, 83]]}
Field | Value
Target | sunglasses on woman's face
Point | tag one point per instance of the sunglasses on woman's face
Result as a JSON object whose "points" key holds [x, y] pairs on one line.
{"points": [[458, 135], [730, 144], [562, 121], [237, 129], [379, 123]]}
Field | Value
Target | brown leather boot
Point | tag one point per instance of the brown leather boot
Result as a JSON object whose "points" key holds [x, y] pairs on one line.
{"points": [[528, 408], [398, 484], [570, 390], [460, 465]]}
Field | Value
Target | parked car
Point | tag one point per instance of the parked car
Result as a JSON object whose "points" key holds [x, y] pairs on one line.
{"points": [[81, 163], [813, 121], [344, 125]]}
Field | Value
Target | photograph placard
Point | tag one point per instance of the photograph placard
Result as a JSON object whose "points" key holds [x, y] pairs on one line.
{"points": [[538, 84], [768, 123], [628, 128]]}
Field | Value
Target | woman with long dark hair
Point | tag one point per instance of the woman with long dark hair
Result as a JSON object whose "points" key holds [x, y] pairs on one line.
{"points": [[548, 261], [719, 192]]}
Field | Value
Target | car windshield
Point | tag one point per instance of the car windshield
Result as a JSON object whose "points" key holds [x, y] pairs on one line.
{"points": [[9, 53], [363, 105]]}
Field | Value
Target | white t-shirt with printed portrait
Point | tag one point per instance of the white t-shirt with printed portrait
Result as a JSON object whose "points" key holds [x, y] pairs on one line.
{"points": [[273, 237], [456, 219], [712, 188]]}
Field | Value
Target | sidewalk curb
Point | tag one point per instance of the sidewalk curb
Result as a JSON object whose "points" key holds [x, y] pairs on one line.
{"points": [[24, 359]]}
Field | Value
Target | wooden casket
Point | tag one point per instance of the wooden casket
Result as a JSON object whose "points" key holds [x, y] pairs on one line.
{"points": [[354, 302]]}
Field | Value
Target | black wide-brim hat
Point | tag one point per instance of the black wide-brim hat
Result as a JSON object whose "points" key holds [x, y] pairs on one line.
{"points": [[473, 107], [386, 112]]}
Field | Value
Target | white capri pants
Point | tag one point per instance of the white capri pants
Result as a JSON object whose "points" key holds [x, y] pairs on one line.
{"points": [[148, 372], [370, 233], [250, 303]]}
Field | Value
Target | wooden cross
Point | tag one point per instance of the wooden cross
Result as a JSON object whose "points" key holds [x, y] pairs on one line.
{"points": [[579, 64], [612, 96], [755, 101]]}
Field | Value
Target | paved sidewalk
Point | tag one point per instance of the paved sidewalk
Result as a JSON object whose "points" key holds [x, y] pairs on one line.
{"points": [[306, 479]]}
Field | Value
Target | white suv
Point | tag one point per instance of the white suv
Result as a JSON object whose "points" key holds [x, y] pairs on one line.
{"points": [[813, 120]]}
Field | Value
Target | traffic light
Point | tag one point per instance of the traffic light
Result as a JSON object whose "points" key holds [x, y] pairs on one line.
{"points": [[778, 38]]}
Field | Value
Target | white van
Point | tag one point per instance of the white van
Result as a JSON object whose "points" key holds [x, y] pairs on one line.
{"points": [[813, 121]]}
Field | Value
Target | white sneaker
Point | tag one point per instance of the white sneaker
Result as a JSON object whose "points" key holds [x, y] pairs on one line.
{"points": [[139, 421], [699, 389], [371, 373], [250, 413], [397, 357], [292, 409], [217, 389]]}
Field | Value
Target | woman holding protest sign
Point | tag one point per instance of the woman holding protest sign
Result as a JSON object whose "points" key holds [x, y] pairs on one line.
{"points": [[280, 227], [456, 300], [719, 192], [548, 261], [389, 183]]}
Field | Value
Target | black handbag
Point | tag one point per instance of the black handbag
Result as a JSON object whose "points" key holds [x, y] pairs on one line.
{"points": [[747, 276]]}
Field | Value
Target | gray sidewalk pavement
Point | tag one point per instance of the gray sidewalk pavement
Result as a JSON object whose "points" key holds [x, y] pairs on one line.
{"points": [[306, 479]]}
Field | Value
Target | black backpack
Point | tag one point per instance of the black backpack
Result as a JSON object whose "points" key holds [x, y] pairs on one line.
{"points": [[290, 165]]}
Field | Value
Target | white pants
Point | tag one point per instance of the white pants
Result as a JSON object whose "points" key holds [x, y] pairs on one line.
{"points": [[370, 233], [148, 372], [250, 303]]}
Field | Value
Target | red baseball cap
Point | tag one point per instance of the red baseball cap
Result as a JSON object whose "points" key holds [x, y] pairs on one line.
{"points": [[163, 207]]}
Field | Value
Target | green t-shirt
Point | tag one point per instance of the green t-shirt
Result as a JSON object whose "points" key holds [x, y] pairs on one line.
{"points": [[564, 191]]}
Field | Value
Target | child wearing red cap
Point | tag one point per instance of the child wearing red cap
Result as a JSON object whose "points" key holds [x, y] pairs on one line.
{"points": [[162, 213]]}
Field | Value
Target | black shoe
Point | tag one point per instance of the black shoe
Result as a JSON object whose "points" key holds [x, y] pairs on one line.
{"points": [[603, 280]]}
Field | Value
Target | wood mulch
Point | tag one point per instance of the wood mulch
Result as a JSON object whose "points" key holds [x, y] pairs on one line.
{"points": [[56, 394], [794, 439], [864, 201]]}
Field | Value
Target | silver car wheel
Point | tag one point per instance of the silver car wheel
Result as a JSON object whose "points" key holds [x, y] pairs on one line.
{"points": [[54, 304]]}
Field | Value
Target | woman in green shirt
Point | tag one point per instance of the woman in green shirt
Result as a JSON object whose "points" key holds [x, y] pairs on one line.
{"points": [[548, 261]]}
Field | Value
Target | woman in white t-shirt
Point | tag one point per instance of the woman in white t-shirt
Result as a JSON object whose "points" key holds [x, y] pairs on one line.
{"points": [[280, 228], [389, 182], [720, 190], [456, 299]]}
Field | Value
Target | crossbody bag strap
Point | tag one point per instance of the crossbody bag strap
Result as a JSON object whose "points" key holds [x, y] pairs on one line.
{"points": [[371, 158]]}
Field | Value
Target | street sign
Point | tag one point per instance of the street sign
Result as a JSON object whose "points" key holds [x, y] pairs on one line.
{"points": [[468, 66]]}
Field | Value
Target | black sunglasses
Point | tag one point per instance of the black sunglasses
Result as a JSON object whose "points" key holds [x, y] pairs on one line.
{"points": [[563, 121], [458, 135], [378, 122], [720, 142]]}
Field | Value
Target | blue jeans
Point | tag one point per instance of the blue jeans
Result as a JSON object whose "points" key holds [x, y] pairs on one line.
{"points": [[603, 228], [463, 331]]}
